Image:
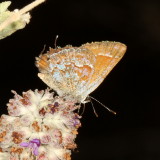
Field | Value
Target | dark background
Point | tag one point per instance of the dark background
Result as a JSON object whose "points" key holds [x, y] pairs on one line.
{"points": [[131, 89]]}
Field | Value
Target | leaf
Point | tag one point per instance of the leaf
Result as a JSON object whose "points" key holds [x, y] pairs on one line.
{"points": [[4, 6], [14, 26]]}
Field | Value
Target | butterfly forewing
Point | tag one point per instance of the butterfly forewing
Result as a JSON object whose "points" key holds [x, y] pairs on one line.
{"points": [[67, 71]]}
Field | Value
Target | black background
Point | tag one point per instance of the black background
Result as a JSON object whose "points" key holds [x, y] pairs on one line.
{"points": [[131, 89]]}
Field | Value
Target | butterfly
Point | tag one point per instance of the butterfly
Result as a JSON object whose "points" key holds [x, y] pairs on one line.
{"points": [[75, 72]]}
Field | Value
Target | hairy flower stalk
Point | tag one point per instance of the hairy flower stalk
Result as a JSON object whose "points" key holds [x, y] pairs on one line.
{"points": [[40, 126]]}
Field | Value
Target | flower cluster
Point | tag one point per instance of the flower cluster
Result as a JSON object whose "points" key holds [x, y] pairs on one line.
{"points": [[40, 126]]}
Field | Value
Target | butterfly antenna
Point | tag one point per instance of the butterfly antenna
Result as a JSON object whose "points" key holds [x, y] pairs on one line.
{"points": [[44, 47], [93, 108], [104, 106], [55, 42]]}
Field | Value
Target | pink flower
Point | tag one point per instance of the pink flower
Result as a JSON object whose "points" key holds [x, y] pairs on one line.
{"points": [[33, 144]]}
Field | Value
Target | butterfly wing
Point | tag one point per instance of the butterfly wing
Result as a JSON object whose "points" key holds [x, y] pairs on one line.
{"points": [[75, 72], [107, 54], [67, 70]]}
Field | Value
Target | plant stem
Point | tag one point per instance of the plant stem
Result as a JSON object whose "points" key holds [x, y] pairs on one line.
{"points": [[16, 15]]}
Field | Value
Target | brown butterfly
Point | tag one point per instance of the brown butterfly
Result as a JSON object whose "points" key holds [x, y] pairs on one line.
{"points": [[75, 72]]}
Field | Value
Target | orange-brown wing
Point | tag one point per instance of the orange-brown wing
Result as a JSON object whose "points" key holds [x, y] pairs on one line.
{"points": [[77, 71], [67, 71], [108, 54]]}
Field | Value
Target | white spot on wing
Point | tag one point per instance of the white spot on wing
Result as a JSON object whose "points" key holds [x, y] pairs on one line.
{"points": [[57, 76], [108, 54]]}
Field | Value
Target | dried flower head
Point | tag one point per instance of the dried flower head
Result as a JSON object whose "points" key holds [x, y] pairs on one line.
{"points": [[39, 126]]}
